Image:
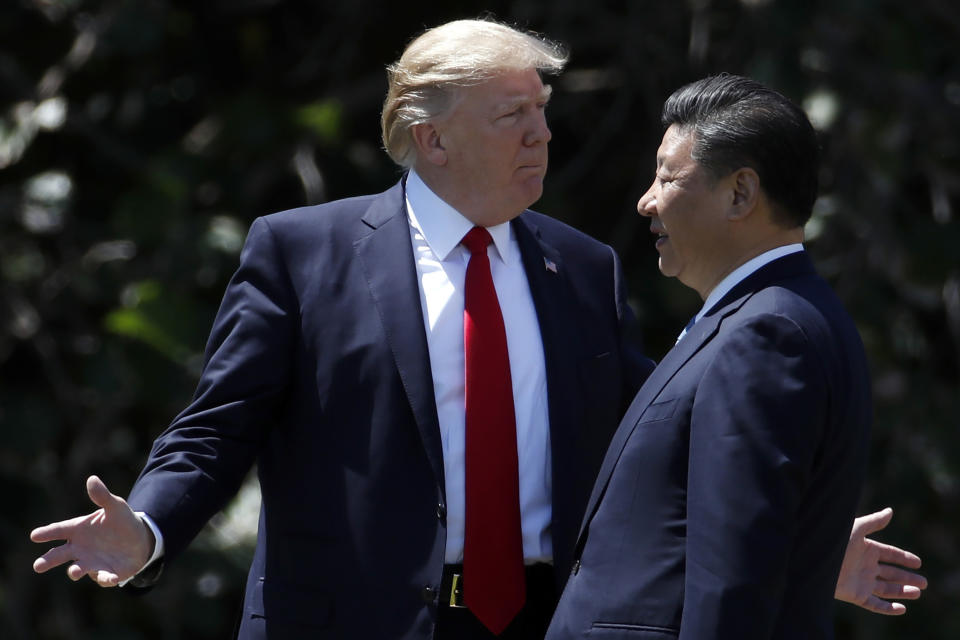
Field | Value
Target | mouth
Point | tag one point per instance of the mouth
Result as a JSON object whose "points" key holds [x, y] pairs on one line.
{"points": [[662, 237]]}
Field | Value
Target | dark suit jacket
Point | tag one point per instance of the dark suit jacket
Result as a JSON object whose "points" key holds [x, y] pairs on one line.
{"points": [[317, 370], [723, 507]]}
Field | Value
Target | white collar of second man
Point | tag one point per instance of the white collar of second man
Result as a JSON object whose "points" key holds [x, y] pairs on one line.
{"points": [[443, 227], [742, 272]]}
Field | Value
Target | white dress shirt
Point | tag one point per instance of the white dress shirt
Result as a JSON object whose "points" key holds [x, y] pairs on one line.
{"points": [[737, 276], [436, 229]]}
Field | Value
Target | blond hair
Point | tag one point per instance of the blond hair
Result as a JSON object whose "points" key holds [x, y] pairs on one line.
{"points": [[424, 81]]}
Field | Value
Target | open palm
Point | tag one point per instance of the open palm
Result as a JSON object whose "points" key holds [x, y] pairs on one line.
{"points": [[109, 545], [870, 577]]}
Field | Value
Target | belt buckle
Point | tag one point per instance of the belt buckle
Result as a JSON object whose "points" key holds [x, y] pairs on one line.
{"points": [[456, 592]]}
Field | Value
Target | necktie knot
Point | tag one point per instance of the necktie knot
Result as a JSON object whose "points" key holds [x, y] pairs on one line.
{"points": [[477, 240]]}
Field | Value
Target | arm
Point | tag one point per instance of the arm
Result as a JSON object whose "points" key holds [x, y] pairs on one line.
{"points": [[767, 499], [867, 577], [199, 462], [109, 545]]}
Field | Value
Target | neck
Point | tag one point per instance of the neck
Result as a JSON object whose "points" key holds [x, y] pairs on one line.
{"points": [[748, 251], [478, 208]]}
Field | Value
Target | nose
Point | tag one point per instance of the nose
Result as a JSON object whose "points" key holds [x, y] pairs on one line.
{"points": [[647, 205], [539, 132]]}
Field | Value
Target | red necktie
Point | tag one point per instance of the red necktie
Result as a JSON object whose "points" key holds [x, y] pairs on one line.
{"points": [[494, 586]]}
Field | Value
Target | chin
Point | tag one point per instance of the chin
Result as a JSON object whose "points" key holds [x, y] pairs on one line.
{"points": [[532, 192], [667, 269]]}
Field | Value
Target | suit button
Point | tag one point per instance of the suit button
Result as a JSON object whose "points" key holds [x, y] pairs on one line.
{"points": [[442, 512], [576, 568], [429, 595]]}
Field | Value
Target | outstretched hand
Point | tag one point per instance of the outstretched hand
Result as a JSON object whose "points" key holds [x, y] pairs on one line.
{"points": [[868, 577], [109, 545]]}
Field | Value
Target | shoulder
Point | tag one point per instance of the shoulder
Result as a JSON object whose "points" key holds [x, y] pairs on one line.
{"points": [[800, 317], [327, 215], [805, 302], [564, 237], [339, 220], [553, 228]]}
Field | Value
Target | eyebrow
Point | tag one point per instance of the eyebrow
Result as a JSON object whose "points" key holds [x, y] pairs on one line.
{"points": [[509, 103]]}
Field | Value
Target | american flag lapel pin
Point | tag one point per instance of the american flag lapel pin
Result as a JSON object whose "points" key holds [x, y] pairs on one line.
{"points": [[550, 265]]}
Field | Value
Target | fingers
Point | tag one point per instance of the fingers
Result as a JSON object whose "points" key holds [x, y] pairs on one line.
{"points": [[48, 533], [75, 572], [883, 607], [873, 522], [100, 495], [896, 555], [53, 558], [895, 591], [104, 578], [900, 576], [62, 530], [65, 529], [65, 553]]}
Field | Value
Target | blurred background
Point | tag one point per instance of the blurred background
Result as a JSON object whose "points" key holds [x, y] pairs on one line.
{"points": [[139, 139]]}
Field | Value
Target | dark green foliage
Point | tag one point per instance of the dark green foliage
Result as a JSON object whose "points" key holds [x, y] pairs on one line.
{"points": [[121, 222]]}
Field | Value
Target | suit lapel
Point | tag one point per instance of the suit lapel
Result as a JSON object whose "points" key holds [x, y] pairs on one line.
{"points": [[545, 270], [699, 335], [387, 258]]}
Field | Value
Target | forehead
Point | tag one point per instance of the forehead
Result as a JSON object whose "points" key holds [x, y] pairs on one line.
{"points": [[509, 86], [676, 147]]}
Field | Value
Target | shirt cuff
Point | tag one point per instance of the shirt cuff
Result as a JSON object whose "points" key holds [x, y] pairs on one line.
{"points": [[157, 544]]}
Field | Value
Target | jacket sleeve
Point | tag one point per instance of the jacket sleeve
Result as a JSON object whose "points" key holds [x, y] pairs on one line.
{"points": [[757, 423], [199, 462]]}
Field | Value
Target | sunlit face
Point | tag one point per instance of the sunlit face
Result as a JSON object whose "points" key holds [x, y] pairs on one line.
{"points": [[495, 143], [687, 210]]}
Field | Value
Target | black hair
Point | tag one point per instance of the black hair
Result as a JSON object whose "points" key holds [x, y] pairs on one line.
{"points": [[737, 122]]}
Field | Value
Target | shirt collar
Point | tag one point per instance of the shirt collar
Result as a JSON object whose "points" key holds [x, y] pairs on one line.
{"points": [[443, 227], [740, 274]]}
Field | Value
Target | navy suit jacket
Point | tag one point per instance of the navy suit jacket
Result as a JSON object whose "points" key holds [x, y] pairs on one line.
{"points": [[317, 370], [723, 507]]}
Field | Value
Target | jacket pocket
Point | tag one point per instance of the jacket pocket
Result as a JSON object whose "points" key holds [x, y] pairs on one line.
{"points": [[290, 604], [622, 631], [657, 411]]}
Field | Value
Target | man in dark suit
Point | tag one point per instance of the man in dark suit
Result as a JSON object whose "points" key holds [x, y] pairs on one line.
{"points": [[339, 364], [723, 506]]}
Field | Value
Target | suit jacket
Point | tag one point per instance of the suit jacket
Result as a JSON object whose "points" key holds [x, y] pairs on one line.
{"points": [[723, 507], [317, 370]]}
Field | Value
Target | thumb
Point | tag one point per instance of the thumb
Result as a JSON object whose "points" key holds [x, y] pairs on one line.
{"points": [[874, 522], [100, 495]]}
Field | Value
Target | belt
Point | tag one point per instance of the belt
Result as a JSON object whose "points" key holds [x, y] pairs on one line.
{"points": [[539, 579]]}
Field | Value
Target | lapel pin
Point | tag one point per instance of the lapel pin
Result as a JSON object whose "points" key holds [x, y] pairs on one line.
{"points": [[550, 265]]}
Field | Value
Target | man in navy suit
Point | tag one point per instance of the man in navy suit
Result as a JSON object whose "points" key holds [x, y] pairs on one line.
{"points": [[723, 506], [336, 364]]}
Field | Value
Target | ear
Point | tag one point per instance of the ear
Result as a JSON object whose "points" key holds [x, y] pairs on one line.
{"points": [[426, 138], [746, 193]]}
